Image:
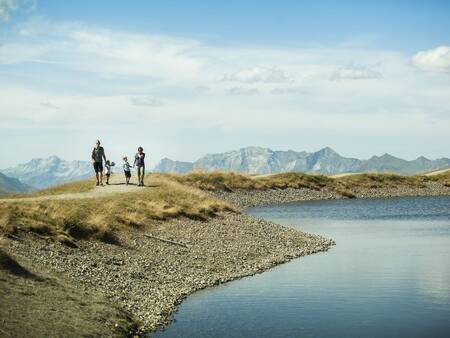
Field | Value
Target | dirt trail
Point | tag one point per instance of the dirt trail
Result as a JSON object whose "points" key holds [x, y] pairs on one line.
{"points": [[117, 186]]}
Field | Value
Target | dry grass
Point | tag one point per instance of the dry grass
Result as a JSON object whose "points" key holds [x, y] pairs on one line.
{"points": [[169, 196], [228, 181], [344, 185], [71, 187], [376, 181], [443, 178], [101, 218]]}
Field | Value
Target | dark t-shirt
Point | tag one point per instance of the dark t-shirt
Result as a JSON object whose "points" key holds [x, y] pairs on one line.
{"points": [[98, 154], [139, 160]]}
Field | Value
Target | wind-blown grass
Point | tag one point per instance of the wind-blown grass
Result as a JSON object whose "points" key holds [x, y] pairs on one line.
{"points": [[170, 196], [228, 181], [225, 181], [101, 218]]}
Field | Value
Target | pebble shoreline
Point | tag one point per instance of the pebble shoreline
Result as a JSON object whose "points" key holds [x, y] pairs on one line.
{"points": [[246, 199], [149, 278]]}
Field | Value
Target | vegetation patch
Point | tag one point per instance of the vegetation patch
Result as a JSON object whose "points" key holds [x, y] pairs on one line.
{"points": [[229, 181], [100, 218]]}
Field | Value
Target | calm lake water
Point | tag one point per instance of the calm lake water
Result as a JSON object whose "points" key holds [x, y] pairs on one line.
{"points": [[388, 276]]}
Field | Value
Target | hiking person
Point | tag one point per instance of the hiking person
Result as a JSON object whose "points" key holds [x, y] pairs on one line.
{"points": [[140, 164], [98, 155], [126, 170], [108, 170]]}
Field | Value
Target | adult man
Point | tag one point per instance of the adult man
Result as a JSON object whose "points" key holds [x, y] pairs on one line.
{"points": [[98, 155]]}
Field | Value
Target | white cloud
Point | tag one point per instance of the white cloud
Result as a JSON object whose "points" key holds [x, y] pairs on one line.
{"points": [[243, 91], [50, 105], [107, 53], [146, 101], [436, 60], [287, 91], [355, 73], [9, 6], [257, 74], [100, 78]]}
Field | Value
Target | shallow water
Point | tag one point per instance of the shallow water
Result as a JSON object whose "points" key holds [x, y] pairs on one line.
{"points": [[388, 276]]}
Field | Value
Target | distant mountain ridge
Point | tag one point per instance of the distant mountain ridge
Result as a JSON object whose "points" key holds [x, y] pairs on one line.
{"points": [[12, 185], [41, 173], [259, 160]]}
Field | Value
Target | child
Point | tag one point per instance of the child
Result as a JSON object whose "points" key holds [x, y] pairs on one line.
{"points": [[126, 169], [108, 166]]}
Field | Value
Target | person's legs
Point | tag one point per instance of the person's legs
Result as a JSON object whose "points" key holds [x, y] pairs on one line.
{"points": [[100, 169], [142, 175], [96, 172], [139, 175]]}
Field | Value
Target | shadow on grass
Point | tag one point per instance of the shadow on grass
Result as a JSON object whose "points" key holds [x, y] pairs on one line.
{"points": [[9, 264]]}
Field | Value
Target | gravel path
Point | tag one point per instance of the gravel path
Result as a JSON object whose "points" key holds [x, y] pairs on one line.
{"points": [[117, 186]]}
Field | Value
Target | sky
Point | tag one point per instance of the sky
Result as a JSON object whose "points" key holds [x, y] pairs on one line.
{"points": [[186, 78]]}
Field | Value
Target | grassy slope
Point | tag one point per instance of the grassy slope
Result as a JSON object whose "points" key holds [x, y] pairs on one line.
{"points": [[169, 197], [30, 296], [101, 217], [218, 181]]}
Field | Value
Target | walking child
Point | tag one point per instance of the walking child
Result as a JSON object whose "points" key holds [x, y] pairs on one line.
{"points": [[108, 166], [126, 169]]}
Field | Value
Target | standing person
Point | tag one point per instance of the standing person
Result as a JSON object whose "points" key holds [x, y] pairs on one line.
{"points": [[139, 163], [98, 155], [126, 169]]}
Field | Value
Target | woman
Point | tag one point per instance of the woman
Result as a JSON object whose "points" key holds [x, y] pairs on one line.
{"points": [[139, 163]]}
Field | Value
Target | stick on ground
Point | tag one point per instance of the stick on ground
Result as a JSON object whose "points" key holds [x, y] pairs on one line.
{"points": [[166, 240]]}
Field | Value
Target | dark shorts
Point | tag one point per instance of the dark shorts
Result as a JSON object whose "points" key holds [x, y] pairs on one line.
{"points": [[98, 167], [127, 174]]}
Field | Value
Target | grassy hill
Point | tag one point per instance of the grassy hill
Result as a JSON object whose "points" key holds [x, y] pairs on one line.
{"points": [[100, 217], [218, 181], [166, 196]]}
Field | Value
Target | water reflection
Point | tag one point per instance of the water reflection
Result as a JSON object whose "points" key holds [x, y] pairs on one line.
{"points": [[388, 276]]}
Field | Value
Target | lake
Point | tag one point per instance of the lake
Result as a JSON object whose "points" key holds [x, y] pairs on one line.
{"points": [[387, 276]]}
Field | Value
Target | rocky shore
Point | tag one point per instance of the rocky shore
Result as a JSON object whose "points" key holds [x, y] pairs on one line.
{"points": [[148, 277], [245, 199]]}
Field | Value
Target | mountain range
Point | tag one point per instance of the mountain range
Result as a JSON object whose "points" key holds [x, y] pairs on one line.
{"points": [[12, 185], [259, 160], [40, 173]]}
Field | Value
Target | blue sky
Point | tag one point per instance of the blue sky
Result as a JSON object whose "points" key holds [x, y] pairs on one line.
{"points": [[185, 78]]}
